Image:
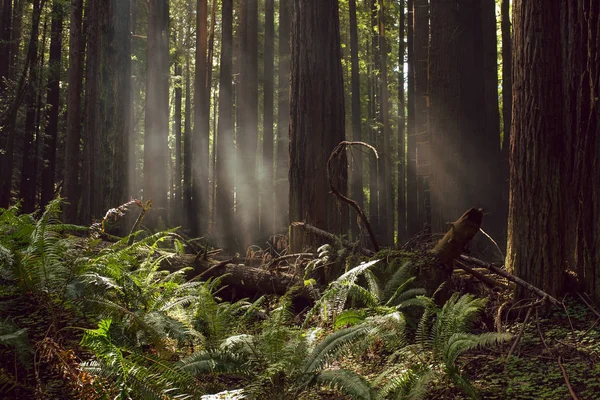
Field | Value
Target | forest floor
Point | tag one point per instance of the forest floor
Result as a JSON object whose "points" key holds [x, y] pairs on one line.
{"points": [[85, 319]]}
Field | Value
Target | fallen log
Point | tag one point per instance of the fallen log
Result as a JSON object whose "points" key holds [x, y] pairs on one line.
{"points": [[244, 281]]}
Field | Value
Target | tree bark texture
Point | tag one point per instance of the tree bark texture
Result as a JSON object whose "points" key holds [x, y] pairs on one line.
{"points": [[317, 121], [53, 104], [225, 145], [72, 146], [536, 229], [200, 154], [412, 202], [157, 111], [247, 213], [281, 211], [356, 161], [421, 134], [401, 199], [267, 187]]}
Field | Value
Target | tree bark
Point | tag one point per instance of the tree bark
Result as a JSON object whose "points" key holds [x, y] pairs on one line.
{"points": [[200, 212], [157, 111], [267, 188], [28, 176], [247, 213], [283, 120], [422, 134], [412, 202], [535, 250], [357, 172], [401, 199], [73, 137], [53, 104], [317, 121], [225, 144]]}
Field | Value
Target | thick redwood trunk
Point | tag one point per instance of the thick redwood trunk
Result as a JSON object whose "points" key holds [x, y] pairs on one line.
{"points": [[317, 120], [536, 229]]}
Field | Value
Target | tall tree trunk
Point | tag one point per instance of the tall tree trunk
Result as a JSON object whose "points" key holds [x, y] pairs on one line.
{"points": [[401, 199], [445, 117], [506, 96], [27, 187], [53, 103], [373, 62], [157, 110], [535, 250], [422, 139], [176, 205], [73, 137], [247, 136], [496, 199], [225, 145], [412, 202], [281, 211], [357, 172], [187, 146], [317, 121], [90, 205], [200, 154], [580, 27], [118, 127], [386, 193], [267, 187]]}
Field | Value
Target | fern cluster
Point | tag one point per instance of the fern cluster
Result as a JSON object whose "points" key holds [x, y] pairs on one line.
{"points": [[134, 330]]}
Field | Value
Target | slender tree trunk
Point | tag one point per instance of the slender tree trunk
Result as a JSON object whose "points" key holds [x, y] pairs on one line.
{"points": [[401, 199], [73, 137], [91, 141], [27, 188], [53, 103], [506, 96], [374, 203], [157, 111], [281, 209], [247, 136], [176, 205], [317, 121], [267, 188], [225, 145], [200, 155], [357, 172], [412, 202], [535, 250], [422, 136], [386, 193], [187, 146]]}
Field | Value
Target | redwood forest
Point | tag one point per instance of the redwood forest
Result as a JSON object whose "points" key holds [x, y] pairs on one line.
{"points": [[299, 199]]}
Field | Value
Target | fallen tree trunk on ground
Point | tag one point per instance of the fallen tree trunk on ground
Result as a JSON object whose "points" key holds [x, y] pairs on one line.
{"points": [[242, 280]]}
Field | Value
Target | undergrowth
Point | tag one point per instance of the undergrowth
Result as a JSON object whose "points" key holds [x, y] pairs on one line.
{"points": [[85, 319]]}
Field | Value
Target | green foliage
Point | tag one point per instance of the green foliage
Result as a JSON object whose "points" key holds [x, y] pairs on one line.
{"points": [[441, 337]]}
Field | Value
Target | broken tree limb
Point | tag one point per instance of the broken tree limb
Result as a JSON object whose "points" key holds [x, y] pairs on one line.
{"points": [[495, 269], [336, 151], [458, 236], [488, 281], [333, 238]]}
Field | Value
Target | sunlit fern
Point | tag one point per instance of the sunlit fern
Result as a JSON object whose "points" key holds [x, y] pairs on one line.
{"points": [[441, 337]]}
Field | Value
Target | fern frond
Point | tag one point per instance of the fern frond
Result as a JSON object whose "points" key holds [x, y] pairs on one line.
{"points": [[331, 346], [347, 382], [460, 343]]}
